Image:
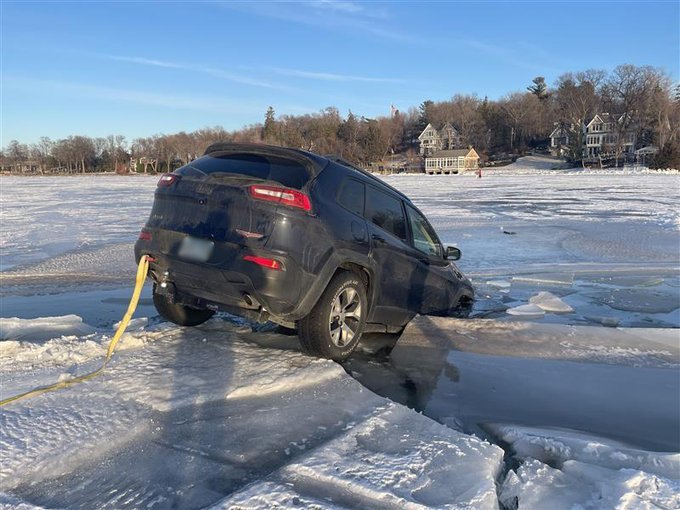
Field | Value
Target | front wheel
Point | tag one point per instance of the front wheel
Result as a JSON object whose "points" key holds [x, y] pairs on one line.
{"points": [[179, 314], [334, 326]]}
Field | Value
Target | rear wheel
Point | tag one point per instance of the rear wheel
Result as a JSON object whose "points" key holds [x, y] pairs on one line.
{"points": [[334, 326], [181, 315]]}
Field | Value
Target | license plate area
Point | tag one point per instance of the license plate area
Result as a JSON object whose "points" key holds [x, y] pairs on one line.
{"points": [[195, 250]]}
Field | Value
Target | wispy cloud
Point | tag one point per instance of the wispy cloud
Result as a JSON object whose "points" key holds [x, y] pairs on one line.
{"points": [[169, 101], [337, 15], [518, 56], [333, 76], [212, 71]]}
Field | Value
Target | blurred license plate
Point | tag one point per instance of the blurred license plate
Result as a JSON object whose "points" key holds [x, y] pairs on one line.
{"points": [[198, 250]]}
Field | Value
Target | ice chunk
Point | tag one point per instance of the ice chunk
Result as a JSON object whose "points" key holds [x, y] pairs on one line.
{"points": [[134, 324], [43, 328], [550, 303], [583, 486], [556, 446], [396, 458], [499, 284], [610, 322], [529, 310]]}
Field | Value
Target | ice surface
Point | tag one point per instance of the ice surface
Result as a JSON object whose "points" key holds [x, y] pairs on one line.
{"points": [[218, 413], [230, 413], [56, 433], [550, 303], [394, 459]]}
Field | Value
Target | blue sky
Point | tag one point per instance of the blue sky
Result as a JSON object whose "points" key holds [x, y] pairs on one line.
{"points": [[139, 68]]}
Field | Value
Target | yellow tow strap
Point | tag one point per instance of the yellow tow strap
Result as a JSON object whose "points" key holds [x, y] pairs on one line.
{"points": [[142, 269]]}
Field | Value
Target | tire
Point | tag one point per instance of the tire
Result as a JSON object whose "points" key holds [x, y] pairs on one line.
{"points": [[333, 328], [180, 314]]}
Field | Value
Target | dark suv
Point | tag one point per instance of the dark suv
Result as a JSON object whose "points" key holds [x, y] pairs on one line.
{"points": [[305, 241]]}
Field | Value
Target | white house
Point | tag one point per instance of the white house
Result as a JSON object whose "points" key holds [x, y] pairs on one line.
{"points": [[603, 136], [433, 140]]}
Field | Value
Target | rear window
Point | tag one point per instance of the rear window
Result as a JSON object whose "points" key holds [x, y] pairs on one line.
{"points": [[271, 168]]}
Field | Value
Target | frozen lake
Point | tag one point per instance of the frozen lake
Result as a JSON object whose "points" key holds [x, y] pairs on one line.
{"points": [[563, 386]]}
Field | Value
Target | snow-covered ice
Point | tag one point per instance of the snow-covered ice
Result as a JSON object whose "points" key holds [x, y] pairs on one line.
{"points": [[208, 405]]}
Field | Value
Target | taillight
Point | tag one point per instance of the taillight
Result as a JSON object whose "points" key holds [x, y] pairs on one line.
{"points": [[167, 180], [145, 235], [264, 262], [285, 196]]}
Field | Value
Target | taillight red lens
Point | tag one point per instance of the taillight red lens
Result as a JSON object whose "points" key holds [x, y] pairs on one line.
{"points": [[167, 180], [144, 235], [285, 196], [264, 262]]}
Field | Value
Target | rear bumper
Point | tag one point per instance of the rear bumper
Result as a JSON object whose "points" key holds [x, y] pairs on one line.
{"points": [[227, 281]]}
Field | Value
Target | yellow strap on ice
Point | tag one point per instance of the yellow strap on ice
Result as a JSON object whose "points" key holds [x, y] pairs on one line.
{"points": [[142, 269]]}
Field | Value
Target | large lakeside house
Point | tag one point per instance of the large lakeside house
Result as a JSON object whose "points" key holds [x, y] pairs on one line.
{"points": [[433, 139], [602, 136]]}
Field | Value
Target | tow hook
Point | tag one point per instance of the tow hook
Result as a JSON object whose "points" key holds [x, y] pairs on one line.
{"points": [[165, 287]]}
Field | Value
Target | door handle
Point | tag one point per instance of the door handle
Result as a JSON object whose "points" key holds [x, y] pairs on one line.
{"points": [[377, 238]]}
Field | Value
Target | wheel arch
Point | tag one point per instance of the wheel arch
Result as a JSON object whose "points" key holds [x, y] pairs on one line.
{"points": [[361, 271]]}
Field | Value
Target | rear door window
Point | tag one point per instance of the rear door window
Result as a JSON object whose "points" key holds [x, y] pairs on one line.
{"points": [[385, 211], [287, 172], [351, 196]]}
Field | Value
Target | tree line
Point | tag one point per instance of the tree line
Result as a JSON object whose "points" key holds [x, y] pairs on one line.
{"points": [[644, 99]]}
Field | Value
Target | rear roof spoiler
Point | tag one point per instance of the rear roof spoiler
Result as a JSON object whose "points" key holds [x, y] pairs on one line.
{"points": [[313, 162]]}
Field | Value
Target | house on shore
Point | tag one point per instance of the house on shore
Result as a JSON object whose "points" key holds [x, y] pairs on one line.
{"points": [[452, 161], [433, 139], [559, 141], [605, 135]]}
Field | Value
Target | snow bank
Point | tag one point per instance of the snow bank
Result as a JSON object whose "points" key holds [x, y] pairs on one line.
{"points": [[394, 459]]}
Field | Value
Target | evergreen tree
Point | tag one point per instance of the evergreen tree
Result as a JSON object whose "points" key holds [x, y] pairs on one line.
{"points": [[539, 88], [425, 116], [269, 130]]}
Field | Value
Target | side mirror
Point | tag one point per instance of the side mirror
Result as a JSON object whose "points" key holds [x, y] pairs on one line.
{"points": [[452, 253]]}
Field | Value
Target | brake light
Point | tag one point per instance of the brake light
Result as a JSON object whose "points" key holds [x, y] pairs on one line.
{"points": [[145, 235], [285, 196], [264, 262], [167, 180]]}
